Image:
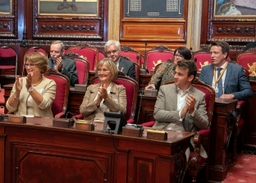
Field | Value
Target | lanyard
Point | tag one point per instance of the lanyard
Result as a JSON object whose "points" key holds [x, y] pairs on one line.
{"points": [[221, 74]]}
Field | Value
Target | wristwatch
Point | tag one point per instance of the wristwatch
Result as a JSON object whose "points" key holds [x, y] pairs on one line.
{"points": [[31, 89]]}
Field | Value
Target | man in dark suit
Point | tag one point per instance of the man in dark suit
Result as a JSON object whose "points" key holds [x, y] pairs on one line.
{"points": [[61, 63], [231, 82], [112, 50]]}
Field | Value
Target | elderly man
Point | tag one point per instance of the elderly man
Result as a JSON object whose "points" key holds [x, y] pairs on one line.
{"points": [[61, 63], [112, 50]]}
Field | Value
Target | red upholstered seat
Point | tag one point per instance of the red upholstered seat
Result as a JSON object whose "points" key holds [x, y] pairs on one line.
{"points": [[248, 60], [201, 59], [101, 56], [86, 51], [157, 55], [8, 59], [35, 49], [82, 66], [132, 54], [2, 100], [59, 106]]}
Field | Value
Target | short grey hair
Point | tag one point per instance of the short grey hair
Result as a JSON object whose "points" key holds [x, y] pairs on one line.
{"points": [[62, 47], [110, 42]]}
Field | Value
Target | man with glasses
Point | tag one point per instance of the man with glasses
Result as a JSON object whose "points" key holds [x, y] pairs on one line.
{"points": [[61, 63], [112, 49]]}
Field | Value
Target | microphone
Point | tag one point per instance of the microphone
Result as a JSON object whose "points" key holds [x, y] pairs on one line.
{"points": [[68, 112], [138, 114], [144, 67], [146, 43], [137, 58]]}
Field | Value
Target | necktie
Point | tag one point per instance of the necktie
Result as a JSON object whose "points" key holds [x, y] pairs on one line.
{"points": [[220, 90]]}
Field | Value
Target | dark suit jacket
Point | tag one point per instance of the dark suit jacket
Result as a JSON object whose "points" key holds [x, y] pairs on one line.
{"points": [[235, 83], [129, 67], [69, 69]]}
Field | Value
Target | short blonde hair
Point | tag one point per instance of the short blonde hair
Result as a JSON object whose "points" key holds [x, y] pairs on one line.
{"points": [[111, 65], [39, 59]]}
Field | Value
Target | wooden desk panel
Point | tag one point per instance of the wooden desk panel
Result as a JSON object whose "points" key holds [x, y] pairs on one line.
{"points": [[221, 132], [250, 116], [75, 100], [145, 109], [42, 153]]}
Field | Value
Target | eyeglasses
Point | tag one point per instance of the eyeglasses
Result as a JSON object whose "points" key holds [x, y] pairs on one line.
{"points": [[178, 55], [113, 51], [103, 70], [29, 65]]}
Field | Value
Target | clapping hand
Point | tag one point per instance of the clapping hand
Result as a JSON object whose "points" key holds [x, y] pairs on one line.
{"points": [[190, 103], [29, 80], [102, 91], [59, 64], [18, 83]]}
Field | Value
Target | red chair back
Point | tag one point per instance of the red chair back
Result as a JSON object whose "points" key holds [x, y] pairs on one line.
{"points": [[209, 96], [60, 103], [157, 55], [201, 58], [101, 56], [82, 66], [131, 93], [248, 60], [132, 54], [8, 59], [36, 49], [89, 53]]}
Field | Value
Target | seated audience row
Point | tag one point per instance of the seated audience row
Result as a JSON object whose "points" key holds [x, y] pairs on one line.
{"points": [[34, 94], [67, 66]]}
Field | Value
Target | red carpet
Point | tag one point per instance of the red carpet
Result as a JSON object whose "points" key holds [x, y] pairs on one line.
{"points": [[244, 170]]}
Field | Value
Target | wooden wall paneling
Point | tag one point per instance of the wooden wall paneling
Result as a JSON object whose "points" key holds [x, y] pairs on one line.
{"points": [[146, 33], [9, 21], [69, 26], [205, 19], [143, 47]]}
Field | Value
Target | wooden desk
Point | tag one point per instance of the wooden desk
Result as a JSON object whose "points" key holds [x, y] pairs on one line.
{"points": [[7, 92], [42, 153], [144, 80], [145, 109], [75, 100], [221, 132]]}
